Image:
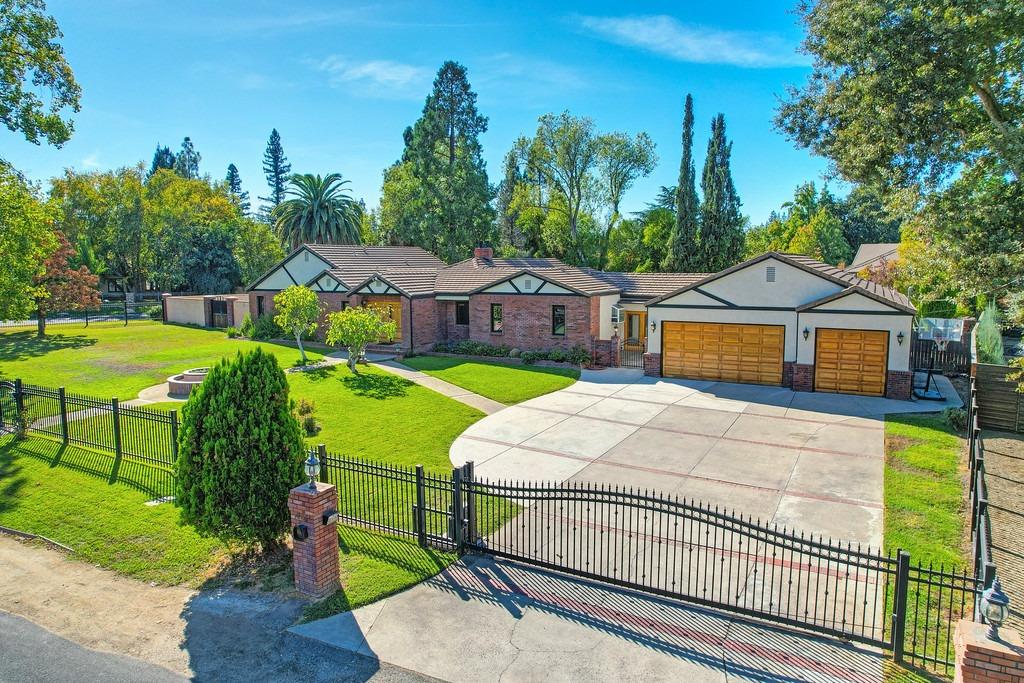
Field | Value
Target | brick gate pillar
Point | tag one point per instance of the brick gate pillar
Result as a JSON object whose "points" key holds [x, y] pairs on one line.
{"points": [[981, 660], [315, 539]]}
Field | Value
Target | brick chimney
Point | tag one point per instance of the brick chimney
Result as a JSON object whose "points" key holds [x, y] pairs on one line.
{"points": [[483, 252]]}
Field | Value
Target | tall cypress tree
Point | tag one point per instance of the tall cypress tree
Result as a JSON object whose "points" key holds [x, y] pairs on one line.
{"points": [[276, 168], [682, 253], [163, 157], [235, 187], [447, 163], [721, 225], [186, 163]]}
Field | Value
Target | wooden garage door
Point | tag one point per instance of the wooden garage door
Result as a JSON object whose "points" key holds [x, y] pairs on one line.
{"points": [[721, 351], [851, 361]]}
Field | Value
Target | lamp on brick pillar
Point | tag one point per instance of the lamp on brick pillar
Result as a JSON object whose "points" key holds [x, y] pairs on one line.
{"points": [[314, 517], [995, 607]]}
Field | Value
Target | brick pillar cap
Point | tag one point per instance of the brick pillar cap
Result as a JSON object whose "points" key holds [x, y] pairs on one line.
{"points": [[303, 489], [974, 636]]}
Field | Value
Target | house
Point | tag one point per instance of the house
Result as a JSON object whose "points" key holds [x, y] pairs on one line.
{"points": [[778, 319], [874, 255]]}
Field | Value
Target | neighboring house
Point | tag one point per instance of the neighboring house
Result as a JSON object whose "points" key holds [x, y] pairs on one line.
{"points": [[776, 319], [873, 255]]}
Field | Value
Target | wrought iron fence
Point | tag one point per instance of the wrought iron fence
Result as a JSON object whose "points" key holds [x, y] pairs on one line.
{"points": [[671, 547], [981, 525], [143, 441], [121, 311]]}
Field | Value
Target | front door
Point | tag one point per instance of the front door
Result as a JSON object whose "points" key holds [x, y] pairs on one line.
{"points": [[636, 331], [390, 309]]}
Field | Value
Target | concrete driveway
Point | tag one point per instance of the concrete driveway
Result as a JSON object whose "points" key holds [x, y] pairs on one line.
{"points": [[805, 461]]}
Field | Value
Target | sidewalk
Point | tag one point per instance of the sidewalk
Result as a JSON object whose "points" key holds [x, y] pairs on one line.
{"points": [[448, 389], [488, 620]]}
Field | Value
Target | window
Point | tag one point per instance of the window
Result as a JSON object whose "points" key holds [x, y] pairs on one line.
{"points": [[461, 312], [259, 306], [495, 318], [770, 274], [114, 286], [527, 284], [558, 321]]}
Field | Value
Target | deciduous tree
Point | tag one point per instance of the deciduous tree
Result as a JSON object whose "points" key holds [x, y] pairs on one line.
{"points": [[26, 240], [621, 160], [297, 311], [61, 287], [32, 65], [256, 249], [356, 327]]}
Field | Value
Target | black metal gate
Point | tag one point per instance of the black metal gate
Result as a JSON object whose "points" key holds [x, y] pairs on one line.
{"points": [[631, 353]]}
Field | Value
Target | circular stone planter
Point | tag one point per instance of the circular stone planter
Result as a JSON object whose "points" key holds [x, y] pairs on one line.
{"points": [[181, 385]]}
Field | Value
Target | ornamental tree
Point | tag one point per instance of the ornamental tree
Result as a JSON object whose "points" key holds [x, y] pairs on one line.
{"points": [[298, 311], [239, 452], [354, 328], [63, 288]]}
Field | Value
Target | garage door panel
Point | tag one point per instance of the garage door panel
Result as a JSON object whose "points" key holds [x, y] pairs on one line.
{"points": [[851, 361], [723, 351]]}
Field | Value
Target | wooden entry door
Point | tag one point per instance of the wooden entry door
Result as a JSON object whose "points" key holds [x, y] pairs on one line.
{"points": [[851, 361], [390, 309], [727, 352], [635, 333]]}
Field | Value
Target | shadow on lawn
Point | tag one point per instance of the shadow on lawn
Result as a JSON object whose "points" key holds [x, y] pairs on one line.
{"points": [[380, 387], [10, 480], [22, 345]]}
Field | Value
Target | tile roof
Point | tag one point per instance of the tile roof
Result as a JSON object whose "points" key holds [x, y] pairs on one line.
{"points": [[413, 281], [850, 278], [647, 285], [867, 254], [473, 274], [354, 263]]}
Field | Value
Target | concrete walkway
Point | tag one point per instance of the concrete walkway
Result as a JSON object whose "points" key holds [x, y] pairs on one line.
{"points": [[448, 389], [487, 620]]}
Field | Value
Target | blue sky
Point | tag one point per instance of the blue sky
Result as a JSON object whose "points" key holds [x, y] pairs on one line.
{"points": [[340, 81]]}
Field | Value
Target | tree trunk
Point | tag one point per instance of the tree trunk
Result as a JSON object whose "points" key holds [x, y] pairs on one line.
{"points": [[353, 356], [302, 351], [40, 324]]}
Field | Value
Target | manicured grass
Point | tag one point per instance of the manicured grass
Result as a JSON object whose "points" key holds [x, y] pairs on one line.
{"points": [[110, 359], [924, 504], [507, 384], [63, 494], [379, 416]]}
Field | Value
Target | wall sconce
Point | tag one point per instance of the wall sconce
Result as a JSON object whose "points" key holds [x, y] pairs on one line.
{"points": [[899, 338], [807, 333], [654, 325]]}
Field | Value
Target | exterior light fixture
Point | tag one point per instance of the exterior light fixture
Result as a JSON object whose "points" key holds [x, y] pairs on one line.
{"points": [[995, 607], [312, 466], [654, 325], [807, 333], [899, 338]]}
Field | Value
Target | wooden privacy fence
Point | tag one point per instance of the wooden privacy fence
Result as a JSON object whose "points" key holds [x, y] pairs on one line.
{"points": [[956, 358], [1000, 405]]}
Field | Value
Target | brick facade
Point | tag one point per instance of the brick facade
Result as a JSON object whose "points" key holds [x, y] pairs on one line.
{"points": [[980, 660], [605, 353], [803, 377], [526, 321], [268, 302], [652, 364], [449, 330], [899, 384], [315, 558], [426, 324], [787, 373]]}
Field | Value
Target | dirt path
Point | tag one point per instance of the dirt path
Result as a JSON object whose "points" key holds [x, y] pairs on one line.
{"points": [[94, 607]]}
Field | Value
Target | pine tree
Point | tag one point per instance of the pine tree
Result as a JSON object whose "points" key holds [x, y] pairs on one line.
{"points": [[186, 164], [163, 157], [721, 225], [447, 163], [277, 170], [682, 253], [235, 188]]}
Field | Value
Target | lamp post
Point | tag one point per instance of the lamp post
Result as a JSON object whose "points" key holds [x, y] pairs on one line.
{"points": [[995, 607], [312, 466]]}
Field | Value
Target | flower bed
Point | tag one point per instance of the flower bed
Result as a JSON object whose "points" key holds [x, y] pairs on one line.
{"points": [[576, 356], [500, 359]]}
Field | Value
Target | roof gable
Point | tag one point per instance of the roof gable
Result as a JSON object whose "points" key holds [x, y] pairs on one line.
{"points": [[296, 268], [857, 299]]}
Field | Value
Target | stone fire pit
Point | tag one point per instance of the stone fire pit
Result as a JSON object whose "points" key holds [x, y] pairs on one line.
{"points": [[180, 385]]}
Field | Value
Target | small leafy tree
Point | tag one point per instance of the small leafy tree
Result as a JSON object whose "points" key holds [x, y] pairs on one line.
{"points": [[239, 452], [298, 310], [63, 288], [354, 328], [990, 339]]}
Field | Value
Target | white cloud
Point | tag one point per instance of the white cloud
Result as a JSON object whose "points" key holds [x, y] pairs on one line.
{"points": [[91, 161], [670, 38], [379, 77]]}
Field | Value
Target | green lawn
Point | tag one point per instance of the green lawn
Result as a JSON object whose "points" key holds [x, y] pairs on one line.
{"points": [[507, 384], [109, 359]]}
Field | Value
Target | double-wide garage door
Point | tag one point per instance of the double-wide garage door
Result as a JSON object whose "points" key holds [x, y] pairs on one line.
{"points": [[851, 361], [725, 352]]}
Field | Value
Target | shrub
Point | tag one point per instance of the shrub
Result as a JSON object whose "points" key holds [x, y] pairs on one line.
{"points": [[265, 328], [154, 312], [990, 340], [310, 426], [232, 332], [247, 327], [579, 355], [531, 357], [239, 452], [558, 355], [955, 418]]}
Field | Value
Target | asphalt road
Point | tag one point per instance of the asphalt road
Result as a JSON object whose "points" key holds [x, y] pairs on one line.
{"points": [[29, 653]]}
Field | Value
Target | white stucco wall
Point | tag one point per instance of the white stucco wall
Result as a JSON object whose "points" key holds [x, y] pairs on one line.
{"points": [[792, 287], [377, 286], [187, 310], [527, 284], [899, 354], [241, 307], [853, 301], [607, 330], [303, 265]]}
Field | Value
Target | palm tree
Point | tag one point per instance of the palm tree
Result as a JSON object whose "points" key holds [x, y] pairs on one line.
{"points": [[320, 211]]}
